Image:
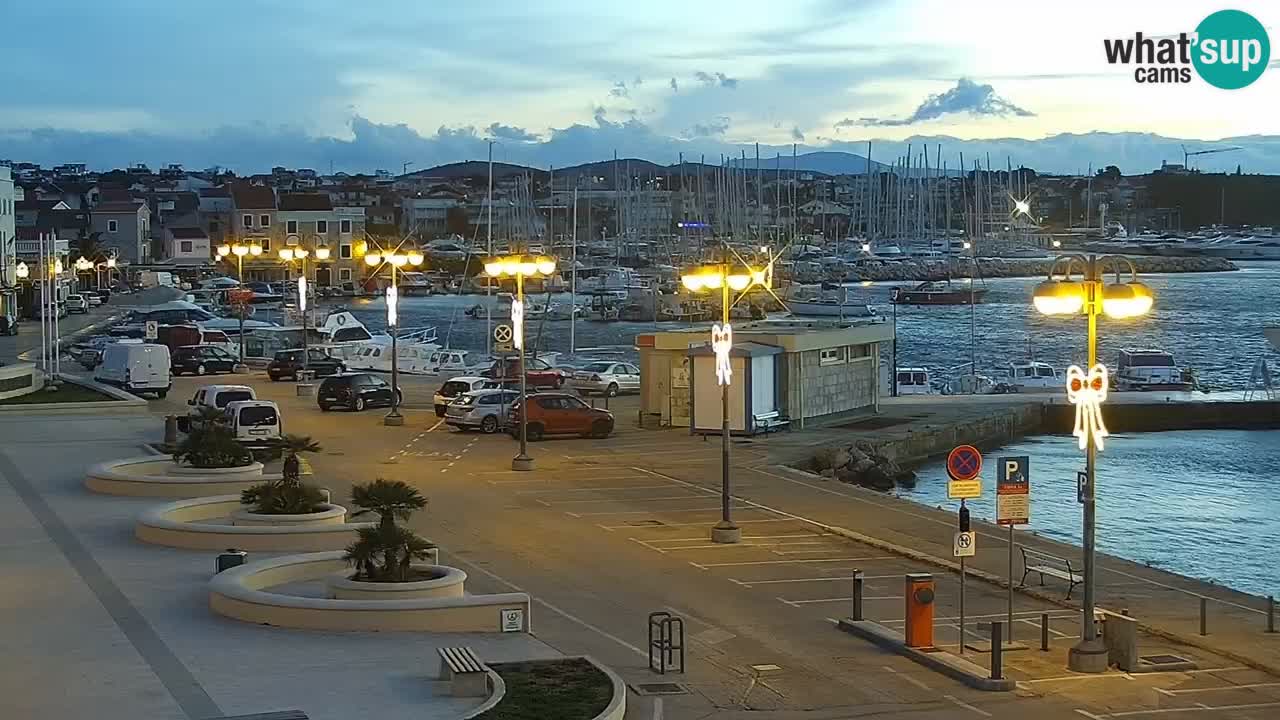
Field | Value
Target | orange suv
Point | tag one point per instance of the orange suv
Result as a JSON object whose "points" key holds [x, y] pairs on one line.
{"points": [[560, 414]]}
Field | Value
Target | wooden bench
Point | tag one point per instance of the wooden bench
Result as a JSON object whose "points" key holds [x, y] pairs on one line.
{"points": [[464, 670], [1041, 563], [769, 421]]}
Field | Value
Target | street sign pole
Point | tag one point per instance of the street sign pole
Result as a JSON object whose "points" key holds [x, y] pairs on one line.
{"points": [[1013, 507], [1009, 613], [963, 528]]}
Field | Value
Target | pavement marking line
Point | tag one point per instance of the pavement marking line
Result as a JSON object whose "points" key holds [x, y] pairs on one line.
{"points": [[1088, 714], [1226, 688], [1200, 707], [657, 708], [562, 613], [551, 503], [690, 524], [592, 489], [656, 512], [840, 599], [967, 706], [744, 537], [714, 546], [792, 562], [846, 578], [991, 615], [169, 669], [914, 681], [641, 542]]}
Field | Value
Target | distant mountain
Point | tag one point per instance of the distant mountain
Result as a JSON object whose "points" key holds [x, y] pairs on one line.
{"points": [[825, 162]]}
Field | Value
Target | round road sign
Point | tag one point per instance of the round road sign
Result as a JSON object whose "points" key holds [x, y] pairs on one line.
{"points": [[964, 462], [503, 333]]}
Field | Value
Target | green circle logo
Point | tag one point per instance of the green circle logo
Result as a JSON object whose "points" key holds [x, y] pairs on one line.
{"points": [[1232, 49]]}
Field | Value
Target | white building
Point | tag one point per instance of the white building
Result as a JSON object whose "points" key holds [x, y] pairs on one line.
{"points": [[8, 240]]}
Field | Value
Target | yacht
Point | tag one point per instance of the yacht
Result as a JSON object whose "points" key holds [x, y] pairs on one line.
{"points": [[1150, 370], [831, 305], [1254, 247], [414, 349], [1032, 375], [938, 293]]}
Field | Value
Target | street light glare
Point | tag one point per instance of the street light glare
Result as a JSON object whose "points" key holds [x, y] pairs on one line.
{"points": [[546, 265], [286, 254], [1126, 300], [415, 257], [223, 250], [372, 259], [739, 282], [692, 283], [1023, 207], [240, 250], [1057, 297], [255, 249], [322, 253]]}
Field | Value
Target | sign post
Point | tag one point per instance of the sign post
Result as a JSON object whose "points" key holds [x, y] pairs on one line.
{"points": [[1013, 507], [504, 338], [152, 330], [964, 463]]}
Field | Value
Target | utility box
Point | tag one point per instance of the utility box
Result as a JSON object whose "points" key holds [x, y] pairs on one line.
{"points": [[919, 597], [1120, 635]]}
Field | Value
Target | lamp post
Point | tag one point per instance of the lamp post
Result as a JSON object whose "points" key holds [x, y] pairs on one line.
{"points": [[1087, 389], [224, 251], [301, 254], [719, 277], [83, 265], [396, 261], [520, 267]]}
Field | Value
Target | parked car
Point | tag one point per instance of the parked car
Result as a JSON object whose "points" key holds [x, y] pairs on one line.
{"points": [[104, 293], [94, 299], [287, 364], [607, 378], [255, 423], [455, 387], [77, 304], [136, 366], [560, 414], [354, 391], [538, 373], [485, 410], [202, 360], [216, 397]]}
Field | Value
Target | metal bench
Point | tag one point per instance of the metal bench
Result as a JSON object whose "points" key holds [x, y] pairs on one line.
{"points": [[464, 670], [1041, 563], [769, 421]]}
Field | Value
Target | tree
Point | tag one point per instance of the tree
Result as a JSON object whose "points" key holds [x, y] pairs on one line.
{"points": [[211, 444], [294, 445], [456, 221], [385, 552], [288, 495]]}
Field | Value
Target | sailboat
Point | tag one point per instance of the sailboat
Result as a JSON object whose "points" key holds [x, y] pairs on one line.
{"points": [[938, 293]]}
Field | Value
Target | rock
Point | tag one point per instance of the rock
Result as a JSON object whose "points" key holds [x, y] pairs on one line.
{"points": [[840, 458], [877, 479], [827, 472], [905, 478], [846, 475], [861, 467]]}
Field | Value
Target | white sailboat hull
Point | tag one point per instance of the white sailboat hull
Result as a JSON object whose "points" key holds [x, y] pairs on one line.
{"points": [[820, 309]]}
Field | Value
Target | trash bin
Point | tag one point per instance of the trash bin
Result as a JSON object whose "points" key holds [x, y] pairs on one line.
{"points": [[230, 558]]}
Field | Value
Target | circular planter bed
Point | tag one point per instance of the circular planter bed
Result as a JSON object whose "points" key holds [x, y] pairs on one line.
{"points": [[571, 688], [156, 476], [438, 581], [203, 524], [330, 515]]}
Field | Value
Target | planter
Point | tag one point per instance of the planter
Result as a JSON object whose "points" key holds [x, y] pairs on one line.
{"points": [[331, 515], [153, 476], [446, 582], [253, 468], [200, 524]]}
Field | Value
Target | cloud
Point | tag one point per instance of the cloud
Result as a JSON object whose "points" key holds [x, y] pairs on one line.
{"points": [[715, 127], [509, 132], [966, 97], [675, 86], [619, 90], [796, 134], [719, 78], [846, 123]]}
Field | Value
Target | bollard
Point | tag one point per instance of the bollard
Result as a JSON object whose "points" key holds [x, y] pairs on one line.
{"points": [[1271, 613], [170, 429], [857, 595], [1044, 632], [1204, 610], [997, 650]]}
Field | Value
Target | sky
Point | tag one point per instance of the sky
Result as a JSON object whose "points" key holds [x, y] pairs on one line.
{"points": [[254, 83]]}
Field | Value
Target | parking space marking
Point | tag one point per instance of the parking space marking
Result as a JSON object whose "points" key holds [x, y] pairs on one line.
{"points": [[744, 537], [691, 524], [591, 489], [840, 578], [795, 562], [955, 618], [967, 706], [1200, 707], [553, 503], [798, 603], [712, 546], [1215, 689], [914, 681], [438, 424], [655, 512]]}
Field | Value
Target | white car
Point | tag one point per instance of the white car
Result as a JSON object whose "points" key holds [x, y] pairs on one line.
{"points": [[607, 377], [456, 387], [94, 299], [77, 304]]}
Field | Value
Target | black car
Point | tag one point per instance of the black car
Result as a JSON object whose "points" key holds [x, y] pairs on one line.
{"points": [[355, 391], [201, 360], [287, 364]]}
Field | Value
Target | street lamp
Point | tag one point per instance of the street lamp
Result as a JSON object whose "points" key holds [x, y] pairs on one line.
{"points": [[224, 251], [396, 261], [1087, 390], [300, 254], [22, 270], [719, 277], [520, 267]]}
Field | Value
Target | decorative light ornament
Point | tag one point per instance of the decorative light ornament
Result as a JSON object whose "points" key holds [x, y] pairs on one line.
{"points": [[1087, 392], [517, 324], [392, 298], [302, 293], [722, 343]]}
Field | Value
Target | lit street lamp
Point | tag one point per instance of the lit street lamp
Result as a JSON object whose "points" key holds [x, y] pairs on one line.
{"points": [[1087, 390], [300, 254], [719, 277], [396, 261], [520, 267], [224, 251]]}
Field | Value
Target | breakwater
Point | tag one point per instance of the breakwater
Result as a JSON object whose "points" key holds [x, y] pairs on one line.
{"points": [[923, 270]]}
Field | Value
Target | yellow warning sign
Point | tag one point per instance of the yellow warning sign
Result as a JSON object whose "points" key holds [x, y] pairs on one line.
{"points": [[964, 489]]}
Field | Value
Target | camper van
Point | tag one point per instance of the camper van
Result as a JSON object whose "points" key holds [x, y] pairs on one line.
{"points": [[135, 366]]}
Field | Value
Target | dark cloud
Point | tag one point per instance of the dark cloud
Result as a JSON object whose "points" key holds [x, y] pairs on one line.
{"points": [[846, 123], [619, 90], [715, 127], [966, 97], [796, 134], [499, 131], [718, 78], [675, 86]]}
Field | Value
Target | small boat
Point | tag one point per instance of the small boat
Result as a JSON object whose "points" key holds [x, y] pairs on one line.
{"points": [[1032, 375], [1150, 370], [831, 305], [938, 293]]}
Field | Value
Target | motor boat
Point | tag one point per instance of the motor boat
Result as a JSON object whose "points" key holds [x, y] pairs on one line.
{"points": [[1255, 247], [1150, 370], [414, 352], [1032, 375], [831, 305], [938, 293]]}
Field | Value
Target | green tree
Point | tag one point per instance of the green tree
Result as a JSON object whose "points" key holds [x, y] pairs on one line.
{"points": [[385, 552], [288, 495], [211, 444]]}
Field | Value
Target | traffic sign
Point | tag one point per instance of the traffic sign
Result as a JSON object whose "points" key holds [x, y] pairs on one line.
{"points": [[964, 462], [965, 544], [153, 330], [964, 489], [1013, 491], [512, 620], [1082, 486], [503, 337]]}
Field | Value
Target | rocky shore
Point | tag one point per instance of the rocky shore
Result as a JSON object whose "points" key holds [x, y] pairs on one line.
{"points": [[921, 270], [860, 464]]}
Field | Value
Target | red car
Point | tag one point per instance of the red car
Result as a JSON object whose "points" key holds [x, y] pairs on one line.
{"points": [[538, 373], [560, 414]]}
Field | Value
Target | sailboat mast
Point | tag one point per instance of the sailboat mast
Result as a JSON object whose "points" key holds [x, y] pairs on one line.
{"points": [[573, 277], [488, 285]]}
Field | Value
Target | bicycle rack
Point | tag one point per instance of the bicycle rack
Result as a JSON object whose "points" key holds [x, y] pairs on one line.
{"points": [[666, 638]]}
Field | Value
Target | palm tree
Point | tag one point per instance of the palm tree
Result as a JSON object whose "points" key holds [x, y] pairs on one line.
{"points": [[293, 445], [385, 552]]}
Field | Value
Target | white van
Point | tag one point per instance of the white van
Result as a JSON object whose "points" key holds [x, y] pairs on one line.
{"points": [[135, 366], [255, 423]]}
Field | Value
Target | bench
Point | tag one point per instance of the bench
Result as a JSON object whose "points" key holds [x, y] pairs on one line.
{"points": [[464, 670], [1041, 563], [768, 422]]}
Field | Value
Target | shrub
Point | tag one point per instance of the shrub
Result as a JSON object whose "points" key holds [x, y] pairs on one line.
{"points": [[212, 445], [278, 498], [385, 552]]}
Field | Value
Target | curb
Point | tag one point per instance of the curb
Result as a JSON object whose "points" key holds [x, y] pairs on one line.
{"points": [[957, 668]]}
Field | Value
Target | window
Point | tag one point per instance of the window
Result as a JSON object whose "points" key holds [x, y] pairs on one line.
{"points": [[322, 226], [247, 221], [291, 227], [112, 226], [264, 220], [265, 242], [344, 274], [831, 356], [344, 226], [344, 252], [184, 246]]}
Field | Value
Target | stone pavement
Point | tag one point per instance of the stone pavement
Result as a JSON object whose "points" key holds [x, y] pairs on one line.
{"points": [[99, 625]]}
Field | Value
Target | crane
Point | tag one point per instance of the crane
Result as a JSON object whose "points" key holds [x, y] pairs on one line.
{"points": [[1187, 155]]}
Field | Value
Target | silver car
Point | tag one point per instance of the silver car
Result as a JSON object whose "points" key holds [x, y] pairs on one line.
{"points": [[607, 377], [483, 409]]}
